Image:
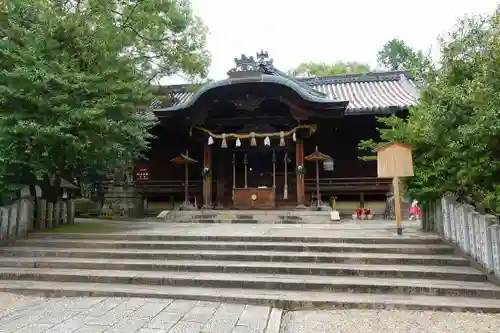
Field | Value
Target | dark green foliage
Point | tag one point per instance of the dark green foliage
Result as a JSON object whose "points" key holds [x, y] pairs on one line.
{"points": [[397, 55], [324, 69], [75, 82], [456, 127]]}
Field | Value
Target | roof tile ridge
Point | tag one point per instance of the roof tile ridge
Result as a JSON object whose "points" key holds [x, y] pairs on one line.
{"points": [[408, 86], [376, 76]]}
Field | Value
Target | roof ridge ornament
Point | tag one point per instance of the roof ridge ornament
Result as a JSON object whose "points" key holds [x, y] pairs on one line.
{"points": [[244, 63], [251, 66], [264, 60]]}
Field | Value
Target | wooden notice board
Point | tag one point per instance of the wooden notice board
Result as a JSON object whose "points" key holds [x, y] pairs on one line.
{"points": [[395, 160]]}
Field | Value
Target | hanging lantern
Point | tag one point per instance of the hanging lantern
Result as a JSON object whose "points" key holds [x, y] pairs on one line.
{"points": [[210, 140], [267, 142], [238, 142], [224, 143], [294, 137], [253, 142], [282, 139]]}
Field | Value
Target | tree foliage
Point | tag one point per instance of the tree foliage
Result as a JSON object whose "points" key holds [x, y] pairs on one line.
{"points": [[324, 69], [455, 129], [397, 55], [75, 82]]}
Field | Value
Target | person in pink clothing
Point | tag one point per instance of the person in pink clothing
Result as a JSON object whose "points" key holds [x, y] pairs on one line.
{"points": [[414, 210]]}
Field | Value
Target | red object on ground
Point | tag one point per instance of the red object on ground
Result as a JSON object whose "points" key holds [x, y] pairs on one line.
{"points": [[359, 212], [368, 211]]}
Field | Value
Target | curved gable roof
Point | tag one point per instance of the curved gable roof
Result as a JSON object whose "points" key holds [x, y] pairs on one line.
{"points": [[364, 93], [262, 71], [367, 93]]}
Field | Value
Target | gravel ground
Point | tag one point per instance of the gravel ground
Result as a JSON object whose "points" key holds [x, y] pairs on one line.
{"points": [[385, 321]]}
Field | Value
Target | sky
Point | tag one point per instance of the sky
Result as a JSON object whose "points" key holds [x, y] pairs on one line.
{"points": [[295, 31]]}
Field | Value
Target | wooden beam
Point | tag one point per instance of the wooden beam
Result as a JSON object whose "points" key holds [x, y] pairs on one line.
{"points": [[250, 120]]}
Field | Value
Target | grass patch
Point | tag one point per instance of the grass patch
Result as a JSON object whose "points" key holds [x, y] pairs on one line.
{"points": [[89, 227]]}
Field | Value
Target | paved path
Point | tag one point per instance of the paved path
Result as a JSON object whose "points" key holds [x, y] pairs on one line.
{"points": [[384, 321], [124, 315], [13, 301], [24, 314], [375, 228]]}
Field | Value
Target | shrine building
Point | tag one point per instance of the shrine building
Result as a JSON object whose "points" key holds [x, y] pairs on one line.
{"points": [[244, 138]]}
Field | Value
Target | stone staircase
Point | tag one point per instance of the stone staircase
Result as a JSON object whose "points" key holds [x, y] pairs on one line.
{"points": [[288, 272], [246, 217]]}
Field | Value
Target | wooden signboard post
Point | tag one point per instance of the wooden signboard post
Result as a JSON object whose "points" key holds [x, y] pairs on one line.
{"points": [[394, 160]]}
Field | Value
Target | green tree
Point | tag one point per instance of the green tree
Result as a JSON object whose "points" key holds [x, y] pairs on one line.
{"points": [[75, 83], [397, 55], [456, 126], [324, 69]]}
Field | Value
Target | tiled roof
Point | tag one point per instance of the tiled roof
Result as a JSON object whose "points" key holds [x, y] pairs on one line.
{"points": [[376, 92]]}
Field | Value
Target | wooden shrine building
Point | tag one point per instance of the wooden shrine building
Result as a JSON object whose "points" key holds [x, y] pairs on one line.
{"points": [[251, 131]]}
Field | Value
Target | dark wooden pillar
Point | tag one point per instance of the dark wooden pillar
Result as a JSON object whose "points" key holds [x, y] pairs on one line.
{"points": [[220, 188], [207, 180], [299, 160]]}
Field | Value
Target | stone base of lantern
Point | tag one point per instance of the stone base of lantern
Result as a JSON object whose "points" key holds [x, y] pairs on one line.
{"points": [[186, 205], [122, 201], [322, 206]]}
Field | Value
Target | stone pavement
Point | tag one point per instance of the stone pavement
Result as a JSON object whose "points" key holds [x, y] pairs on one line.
{"points": [[348, 228], [124, 315]]}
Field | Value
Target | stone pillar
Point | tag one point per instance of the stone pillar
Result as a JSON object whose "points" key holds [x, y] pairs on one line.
{"points": [[64, 211], [207, 179], [12, 229], [41, 214], [71, 211], [299, 161], [24, 216], [4, 223], [57, 213], [50, 215]]}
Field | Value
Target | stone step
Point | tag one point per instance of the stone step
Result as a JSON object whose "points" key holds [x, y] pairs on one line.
{"points": [[234, 221], [274, 256], [137, 236], [260, 281], [234, 245], [289, 300], [395, 271]]}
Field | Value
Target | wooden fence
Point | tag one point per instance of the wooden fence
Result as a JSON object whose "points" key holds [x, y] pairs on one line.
{"points": [[475, 234], [26, 215]]}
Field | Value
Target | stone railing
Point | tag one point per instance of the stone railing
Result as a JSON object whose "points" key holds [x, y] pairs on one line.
{"points": [[477, 235], [26, 215]]}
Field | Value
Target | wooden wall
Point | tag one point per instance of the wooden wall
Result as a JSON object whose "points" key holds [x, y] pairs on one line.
{"points": [[168, 144], [337, 138]]}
